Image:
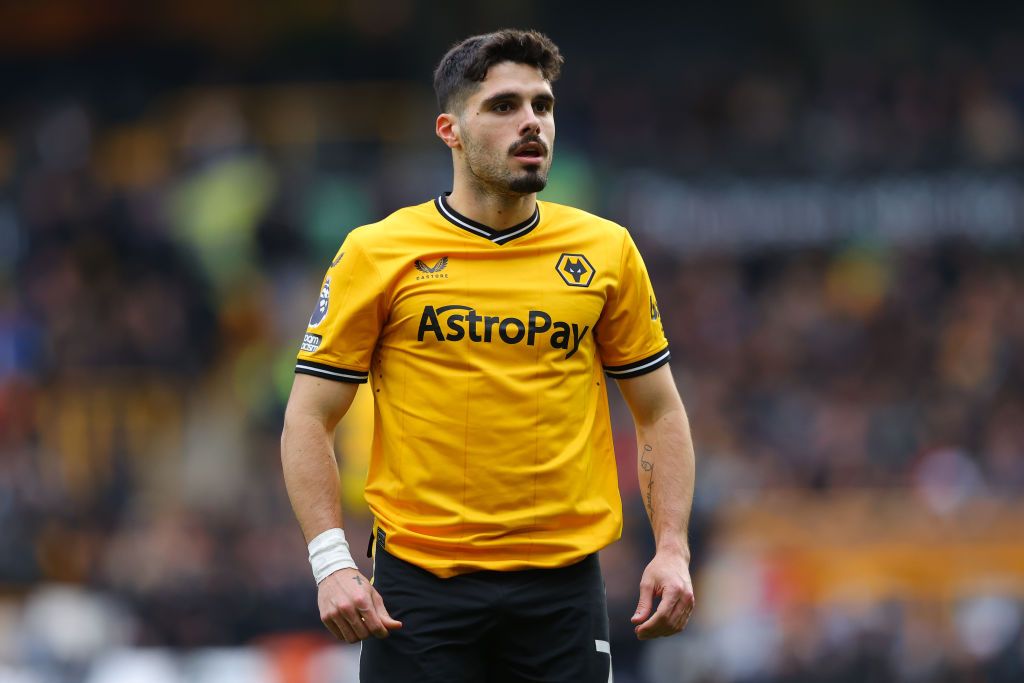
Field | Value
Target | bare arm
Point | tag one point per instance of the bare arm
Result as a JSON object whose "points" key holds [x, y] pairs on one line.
{"points": [[349, 606], [666, 469], [307, 451]]}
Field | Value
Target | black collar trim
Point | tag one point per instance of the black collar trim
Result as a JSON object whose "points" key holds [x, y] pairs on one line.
{"points": [[488, 233]]}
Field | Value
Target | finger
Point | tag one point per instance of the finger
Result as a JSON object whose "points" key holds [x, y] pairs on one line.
{"points": [[346, 630], [660, 624], [333, 629], [656, 627], [371, 619], [643, 606], [355, 620], [685, 621], [390, 623], [681, 611]]}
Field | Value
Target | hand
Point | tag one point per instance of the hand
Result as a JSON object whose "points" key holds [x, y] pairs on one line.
{"points": [[667, 577], [352, 609]]}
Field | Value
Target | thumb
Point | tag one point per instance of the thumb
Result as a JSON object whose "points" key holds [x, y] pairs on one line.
{"points": [[643, 606], [390, 623]]}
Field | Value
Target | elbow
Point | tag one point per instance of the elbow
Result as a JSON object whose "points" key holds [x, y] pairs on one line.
{"points": [[284, 437], [298, 427], [655, 413], [288, 430], [674, 416]]}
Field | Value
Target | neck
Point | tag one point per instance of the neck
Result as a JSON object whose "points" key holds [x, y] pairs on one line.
{"points": [[495, 210]]}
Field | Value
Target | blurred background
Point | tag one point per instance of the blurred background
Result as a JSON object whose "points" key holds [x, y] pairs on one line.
{"points": [[830, 200]]}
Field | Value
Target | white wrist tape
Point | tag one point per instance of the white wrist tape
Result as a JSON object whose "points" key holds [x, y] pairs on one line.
{"points": [[328, 553]]}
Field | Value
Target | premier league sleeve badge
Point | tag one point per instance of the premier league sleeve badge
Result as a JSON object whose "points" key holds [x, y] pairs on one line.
{"points": [[320, 312]]}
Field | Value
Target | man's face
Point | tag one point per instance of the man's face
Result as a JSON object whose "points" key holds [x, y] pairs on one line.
{"points": [[507, 129]]}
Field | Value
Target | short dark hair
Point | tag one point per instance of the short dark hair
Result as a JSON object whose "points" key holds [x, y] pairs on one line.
{"points": [[466, 64]]}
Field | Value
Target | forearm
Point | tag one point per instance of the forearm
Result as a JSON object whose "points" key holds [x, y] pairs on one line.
{"points": [[311, 474], [666, 470]]}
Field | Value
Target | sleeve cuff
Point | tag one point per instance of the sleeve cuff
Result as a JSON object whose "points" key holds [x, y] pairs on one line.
{"points": [[308, 367], [640, 367]]}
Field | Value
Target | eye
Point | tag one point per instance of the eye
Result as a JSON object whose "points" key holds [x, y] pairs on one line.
{"points": [[542, 106], [503, 107]]}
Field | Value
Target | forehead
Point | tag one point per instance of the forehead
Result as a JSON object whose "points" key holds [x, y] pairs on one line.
{"points": [[522, 79]]}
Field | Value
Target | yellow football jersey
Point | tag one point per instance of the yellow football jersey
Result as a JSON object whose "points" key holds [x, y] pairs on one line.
{"points": [[487, 353]]}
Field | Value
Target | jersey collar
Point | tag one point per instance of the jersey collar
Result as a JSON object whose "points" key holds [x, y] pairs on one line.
{"points": [[481, 230]]}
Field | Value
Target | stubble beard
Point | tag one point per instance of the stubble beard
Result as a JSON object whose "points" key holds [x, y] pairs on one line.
{"points": [[493, 176], [533, 180]]}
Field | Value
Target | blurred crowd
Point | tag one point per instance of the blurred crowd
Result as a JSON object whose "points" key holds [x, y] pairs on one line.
{"points": [[847, 114], [157, 268], [836, 370], [856, 366]]}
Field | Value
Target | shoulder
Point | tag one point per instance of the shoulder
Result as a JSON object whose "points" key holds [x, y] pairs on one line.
{"points": [[579, 219], [374, 236]]}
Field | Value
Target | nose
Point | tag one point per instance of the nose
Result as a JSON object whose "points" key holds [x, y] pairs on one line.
{"points": [[530, 125]]}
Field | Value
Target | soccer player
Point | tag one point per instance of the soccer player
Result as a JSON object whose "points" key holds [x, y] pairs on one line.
{"points": [[486, 322]]}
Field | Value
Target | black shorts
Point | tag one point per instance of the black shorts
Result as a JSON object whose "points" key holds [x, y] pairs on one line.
{"points": [[538, 625]]}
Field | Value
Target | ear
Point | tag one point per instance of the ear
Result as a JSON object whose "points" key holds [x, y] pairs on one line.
{"points": [[447, 128]]}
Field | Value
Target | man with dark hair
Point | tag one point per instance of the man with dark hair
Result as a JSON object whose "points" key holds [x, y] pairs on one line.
{"points": [[487, 321]]}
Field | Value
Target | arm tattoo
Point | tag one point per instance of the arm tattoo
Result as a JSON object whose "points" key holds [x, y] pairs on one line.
{"points": [[648, 466], [644, 462], [358, 579]]}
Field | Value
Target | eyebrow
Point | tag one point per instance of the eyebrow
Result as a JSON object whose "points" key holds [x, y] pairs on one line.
{"points": [[512, 95]]}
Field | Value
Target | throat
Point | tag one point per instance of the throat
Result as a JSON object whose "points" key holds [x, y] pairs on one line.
{"points": [[499, 212]]}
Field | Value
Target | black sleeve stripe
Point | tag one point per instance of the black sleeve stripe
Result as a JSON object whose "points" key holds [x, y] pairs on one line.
{"points": [[640, 367], [307, 367]]}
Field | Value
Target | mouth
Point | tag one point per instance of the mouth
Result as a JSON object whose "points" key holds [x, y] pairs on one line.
{"points": [[530, 152]]}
